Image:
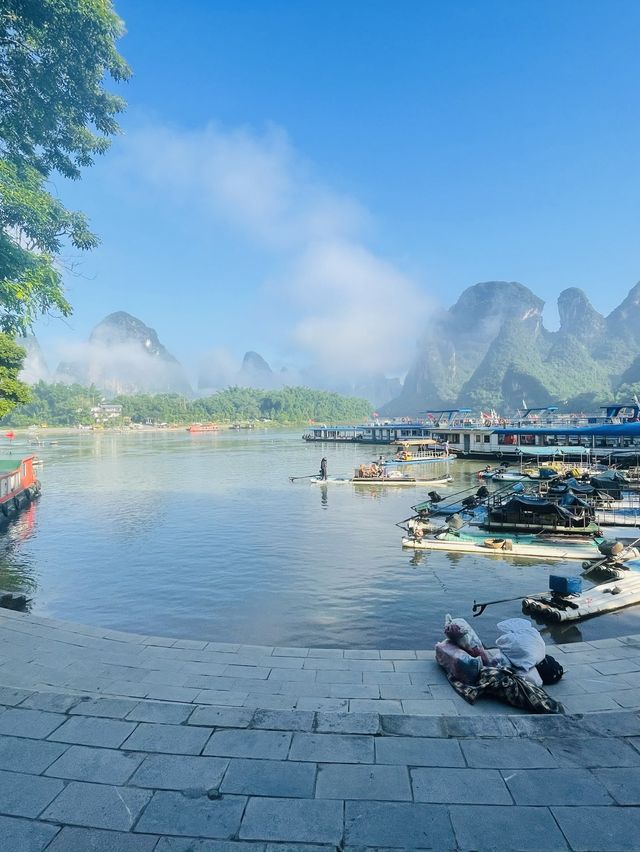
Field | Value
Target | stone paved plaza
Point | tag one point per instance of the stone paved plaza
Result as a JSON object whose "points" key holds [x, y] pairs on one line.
{"points": [[112, 741]]}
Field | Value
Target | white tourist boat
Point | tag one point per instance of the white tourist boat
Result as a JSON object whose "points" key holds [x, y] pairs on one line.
{"points": [[419, 451]]}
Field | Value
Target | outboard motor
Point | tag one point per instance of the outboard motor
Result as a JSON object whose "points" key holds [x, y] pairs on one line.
{"points": [[610, 548], [455, 522], [435, 497], [482, 492], [470, 502]]}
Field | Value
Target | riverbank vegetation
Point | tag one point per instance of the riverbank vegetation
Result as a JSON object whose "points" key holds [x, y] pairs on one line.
{"points": [[74, 405]]}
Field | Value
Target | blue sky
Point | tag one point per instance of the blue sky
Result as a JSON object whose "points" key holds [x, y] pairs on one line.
{"points": [[295, 177]]}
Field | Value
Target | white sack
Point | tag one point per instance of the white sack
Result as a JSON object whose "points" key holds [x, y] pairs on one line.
{"points": [[521, 643]]}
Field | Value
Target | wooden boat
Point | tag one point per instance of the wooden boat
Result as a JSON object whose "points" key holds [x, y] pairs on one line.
{"points": [[530, 546], [419, 451], [605, 597], [18, 485], [203, 427]]}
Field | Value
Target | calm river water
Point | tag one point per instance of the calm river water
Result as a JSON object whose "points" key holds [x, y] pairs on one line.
{"points": [[203, 536]]}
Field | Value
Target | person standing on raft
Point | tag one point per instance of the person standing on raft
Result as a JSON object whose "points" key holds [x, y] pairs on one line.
{"points": [[323, 469]]}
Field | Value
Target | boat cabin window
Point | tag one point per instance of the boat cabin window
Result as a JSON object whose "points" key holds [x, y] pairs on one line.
{"points": [[478, 437], [453, 438], [487, 439]]}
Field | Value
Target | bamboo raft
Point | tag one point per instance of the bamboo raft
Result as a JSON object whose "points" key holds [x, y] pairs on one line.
{"points": [[381, 480], [534, 547], [605, 597]]}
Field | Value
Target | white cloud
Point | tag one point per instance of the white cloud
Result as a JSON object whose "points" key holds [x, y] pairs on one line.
{"points": [[352, 310]]}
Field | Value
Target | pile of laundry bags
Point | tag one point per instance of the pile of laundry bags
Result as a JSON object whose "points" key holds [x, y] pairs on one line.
{"points": [[508, 672]]}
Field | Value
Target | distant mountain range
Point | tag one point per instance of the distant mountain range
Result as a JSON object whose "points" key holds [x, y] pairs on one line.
{"points": [[125, 356], [491, 350]]}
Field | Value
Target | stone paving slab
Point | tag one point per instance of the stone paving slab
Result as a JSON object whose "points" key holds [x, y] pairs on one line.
{"points": [[114, 668], [72, 839], [180, 772], [507, 828], [97, 805], [22, 835], [178, 814], [318, 766], [287, 779], [24, 755], [293, 820], [104, 765], [26, 795]]}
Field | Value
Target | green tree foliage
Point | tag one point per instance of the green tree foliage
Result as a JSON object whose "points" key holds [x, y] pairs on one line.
{"points": [[12, 391], [70, 405], [55, 116]]}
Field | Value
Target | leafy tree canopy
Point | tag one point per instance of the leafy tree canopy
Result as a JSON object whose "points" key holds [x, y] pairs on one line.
{"points": [[70, 405], [12, 391], [55, 116]]}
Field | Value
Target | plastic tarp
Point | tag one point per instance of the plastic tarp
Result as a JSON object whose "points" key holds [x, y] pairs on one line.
{"points": [[616, 476], [578, 487], [534, 504]]}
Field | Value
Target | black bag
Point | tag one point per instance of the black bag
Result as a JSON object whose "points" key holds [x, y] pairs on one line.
{"points": [[550, 670]]}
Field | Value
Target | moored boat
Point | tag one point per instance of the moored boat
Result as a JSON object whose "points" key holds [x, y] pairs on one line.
{"points": [[18, 485], [605, 597], [536, 547], [203, 427], [420, 451], [382, 479]]}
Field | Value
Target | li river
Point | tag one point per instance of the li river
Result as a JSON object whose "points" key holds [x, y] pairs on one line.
{"points": [[204, 536]]}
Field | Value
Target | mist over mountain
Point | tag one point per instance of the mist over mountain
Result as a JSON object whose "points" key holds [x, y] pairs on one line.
{"points": [[491, 350], [488, 350], [35, 367], [124, 356], [218, 370]]}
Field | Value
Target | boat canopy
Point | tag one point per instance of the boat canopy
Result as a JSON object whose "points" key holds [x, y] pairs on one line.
{"points": [[414, 442], [573, 485], [536, 505], [552, 451]]}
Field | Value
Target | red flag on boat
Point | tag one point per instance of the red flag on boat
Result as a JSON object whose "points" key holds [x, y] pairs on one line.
{"points": [[9, 435]]}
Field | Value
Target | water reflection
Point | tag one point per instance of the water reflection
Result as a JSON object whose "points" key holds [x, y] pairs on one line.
{"points": [[16, 574], [207, 538], [560, 633]]}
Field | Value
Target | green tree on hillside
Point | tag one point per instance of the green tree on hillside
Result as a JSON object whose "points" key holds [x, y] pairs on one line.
{"points": [[70, 405]]}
